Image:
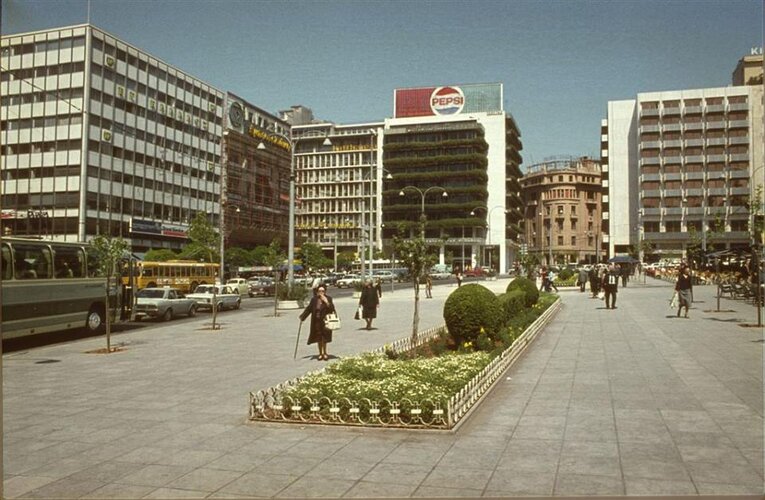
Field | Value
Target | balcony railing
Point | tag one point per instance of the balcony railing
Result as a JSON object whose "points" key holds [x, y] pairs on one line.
{"points": [[739, 140], [715, 157], [649, 128], [650, 145], [715, 125], [649, 112], [738, 124], [671, 111], [692, 110], [654, 160], [739, 157], [715, 141], [694, 159], [738, 106], [715, 108], [694, 142], [670, 127], [694, 125], [673, 144]]}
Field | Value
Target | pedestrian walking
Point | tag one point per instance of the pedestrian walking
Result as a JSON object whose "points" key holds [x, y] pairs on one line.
{"points": [[683, 288], [320, 305], [594, 281], [369, 301], [625, 272], [610, 284], [428, 287], [545, 278], [582, 279], [459, 279], [551, 277], [378, 287]]}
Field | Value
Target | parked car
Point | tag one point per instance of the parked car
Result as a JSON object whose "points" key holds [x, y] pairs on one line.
{"points": [[439, 275], [348, 281], [331, 278], [476, 272], [226, 297], [165, 303], [384, 276], [239, 285], [262, 286]]}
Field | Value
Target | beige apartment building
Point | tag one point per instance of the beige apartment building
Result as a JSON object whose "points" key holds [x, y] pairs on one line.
{"points": [[562, 197]]}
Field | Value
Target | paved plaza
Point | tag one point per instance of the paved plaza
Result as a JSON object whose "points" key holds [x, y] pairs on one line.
{"points": [[632, 401]]}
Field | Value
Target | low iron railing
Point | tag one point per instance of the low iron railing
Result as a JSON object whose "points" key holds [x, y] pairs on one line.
{"points": [[274, 405]]}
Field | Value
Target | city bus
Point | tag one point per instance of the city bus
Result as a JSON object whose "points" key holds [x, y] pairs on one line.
{"points": [[185, 275], [50, 286]]}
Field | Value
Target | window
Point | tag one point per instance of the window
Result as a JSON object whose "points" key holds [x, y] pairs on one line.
{"points": [[573, 241]]}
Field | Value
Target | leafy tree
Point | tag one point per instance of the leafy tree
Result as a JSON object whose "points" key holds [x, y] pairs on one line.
{"points": [[415, 256], [313, 257], [649, 249], [204, 245], [237, 257], [160, 255], [109, 251], [345, 260], [260, 255]]}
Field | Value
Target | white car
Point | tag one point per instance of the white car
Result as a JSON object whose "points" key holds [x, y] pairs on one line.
{"points": [[239, 285], [348, 281], [384, 276], [226, 297]]}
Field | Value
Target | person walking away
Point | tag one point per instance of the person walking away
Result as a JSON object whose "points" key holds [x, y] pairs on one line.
{"points": [[428, 287], [369, 302], [551, 281], [459, 279], [625, 272], [594, 282], [610, 285], [683, 289], [320, 305], [545, 279], [582, 279], [378, 287]]}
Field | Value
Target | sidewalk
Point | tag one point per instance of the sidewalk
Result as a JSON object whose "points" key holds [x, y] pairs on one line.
{"points": [[630, 401]]}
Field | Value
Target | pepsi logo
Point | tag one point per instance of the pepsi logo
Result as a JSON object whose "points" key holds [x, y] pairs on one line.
{"points": [[447, 100]]}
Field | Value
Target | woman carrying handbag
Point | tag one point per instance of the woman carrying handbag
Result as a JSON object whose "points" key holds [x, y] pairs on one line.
{"points": [[318, 308]]}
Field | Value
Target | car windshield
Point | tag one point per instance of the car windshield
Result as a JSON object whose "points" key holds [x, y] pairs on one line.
{"points": [[204, 289], [150, 293]]}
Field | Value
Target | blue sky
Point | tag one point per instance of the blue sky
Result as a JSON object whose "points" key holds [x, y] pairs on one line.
{"points": [[560, 61]]}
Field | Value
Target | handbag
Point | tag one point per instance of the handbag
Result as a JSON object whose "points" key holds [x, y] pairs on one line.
{"points": [[332, 321], [673, 301], [601, 295], [359, 312]]}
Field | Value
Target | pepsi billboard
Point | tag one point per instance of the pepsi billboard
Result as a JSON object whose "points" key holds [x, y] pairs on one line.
{"points": [[447, 101]]}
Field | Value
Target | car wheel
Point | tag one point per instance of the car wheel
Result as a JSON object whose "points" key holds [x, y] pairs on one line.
{"points": [[192, 311], [95, 321], [219, 307], [238, 304], [168, 315]]}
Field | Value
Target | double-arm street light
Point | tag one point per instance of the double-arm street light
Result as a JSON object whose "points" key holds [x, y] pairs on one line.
{"points": [[292, 142], [422, 205]]}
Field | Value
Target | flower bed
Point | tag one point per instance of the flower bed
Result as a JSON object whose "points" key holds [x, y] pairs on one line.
{"points": [[375, 390]]}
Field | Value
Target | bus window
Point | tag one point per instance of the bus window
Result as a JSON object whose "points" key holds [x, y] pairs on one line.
{"points": [[6, 271], [32, 262], [68, 262]]}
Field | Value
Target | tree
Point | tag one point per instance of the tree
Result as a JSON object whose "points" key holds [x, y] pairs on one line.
{"points": [[413, 253], [345, 260], [273, 256], [313, 257], [239, 257], [109, 252], [160, 255], [204, 244]]}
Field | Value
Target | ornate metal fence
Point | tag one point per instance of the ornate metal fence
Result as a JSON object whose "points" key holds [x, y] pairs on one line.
{"points": [[274, 405]]}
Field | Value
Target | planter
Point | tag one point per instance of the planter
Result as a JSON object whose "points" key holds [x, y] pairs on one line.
{"points": [[288, 304]]}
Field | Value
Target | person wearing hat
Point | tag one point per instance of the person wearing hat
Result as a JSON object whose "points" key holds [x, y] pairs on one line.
{"points": [[320, 305], [369, 301]]}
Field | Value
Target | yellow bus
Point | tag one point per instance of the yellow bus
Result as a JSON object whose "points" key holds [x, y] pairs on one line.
{"points": [[185, 275]]}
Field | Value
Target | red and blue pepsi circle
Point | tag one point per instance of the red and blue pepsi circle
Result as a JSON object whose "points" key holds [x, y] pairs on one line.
{"points": [[447, 100]]}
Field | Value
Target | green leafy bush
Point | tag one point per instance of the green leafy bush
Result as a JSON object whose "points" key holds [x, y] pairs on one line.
{"points": [[565, 274], [528, 287], [297, 292], [471, 310], [513, 303]]}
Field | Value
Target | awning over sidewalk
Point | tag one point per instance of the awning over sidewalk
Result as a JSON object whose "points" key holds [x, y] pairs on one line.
{"points": [[620, 259]]}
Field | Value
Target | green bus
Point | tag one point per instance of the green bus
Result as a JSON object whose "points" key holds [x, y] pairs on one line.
{"points": [[50, 286]]}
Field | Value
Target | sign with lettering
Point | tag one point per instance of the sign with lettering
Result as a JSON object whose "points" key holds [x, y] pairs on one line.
{"points": [[449, 100]]}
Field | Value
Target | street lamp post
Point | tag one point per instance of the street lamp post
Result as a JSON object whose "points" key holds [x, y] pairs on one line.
{"points": [[292, 141], [422, 205]]}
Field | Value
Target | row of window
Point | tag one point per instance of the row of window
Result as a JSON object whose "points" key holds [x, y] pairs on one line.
{"points": [[48, 121], [694, 184], [44, 46], [165, 184], [42, 96], [694, 102], [41, 147], [42, 71]]}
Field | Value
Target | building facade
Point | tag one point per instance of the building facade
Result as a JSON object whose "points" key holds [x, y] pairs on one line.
{"points": [[562, 199], [99, 137], [682, 166], [458, 140]]}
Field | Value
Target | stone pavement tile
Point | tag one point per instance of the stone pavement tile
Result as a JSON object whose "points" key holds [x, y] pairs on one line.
{"points": [[724, 473], [533, 455], [458, 477], [652, 451], [120, 491], [689, 421], [155, 475], [317, 449], [510, 483], [287, 464], [352, 470], [437, 492], [16, 486], [266, 447], [713, 439], [204, 479], [238, 462], [316, 487], [588, 465], [594, 449], [755, 457], [176, 493], [728, 489], [398, 474], [64, 488], [475, 457], [257, 484], [189, 457], [62, 468], [540, 427], [362, 489], [593, 430], [219, 494], [712, 454], [417, 453], [645, 487], [587, 485], [648, 468], [545, 407], [106, 472], [143, 455]]}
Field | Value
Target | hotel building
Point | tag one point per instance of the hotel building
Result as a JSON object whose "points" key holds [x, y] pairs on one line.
{"points": [[562, 199], [457, 139], [680, 162], [100, 137]]}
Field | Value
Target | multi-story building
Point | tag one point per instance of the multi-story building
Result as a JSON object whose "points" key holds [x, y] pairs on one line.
{"points": [[458, 140], [562, 198], [99, 136], [338, 179], [683, 162], [749, 69]]}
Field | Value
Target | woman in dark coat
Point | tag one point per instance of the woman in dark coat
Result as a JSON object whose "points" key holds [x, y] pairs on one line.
{"points": [[321, 304], [369, 301], [684, 290]]}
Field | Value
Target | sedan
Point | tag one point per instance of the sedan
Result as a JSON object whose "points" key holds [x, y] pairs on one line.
{"points": [[263, 286], [348, 281], [226, 297]]}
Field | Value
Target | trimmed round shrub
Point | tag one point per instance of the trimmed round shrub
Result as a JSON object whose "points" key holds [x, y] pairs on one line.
{"points": [[469, 309], [513, 303], [528, 287], [565, 274]]}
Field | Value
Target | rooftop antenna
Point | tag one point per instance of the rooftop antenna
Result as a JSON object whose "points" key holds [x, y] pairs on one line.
{"points": [[88, 11]]}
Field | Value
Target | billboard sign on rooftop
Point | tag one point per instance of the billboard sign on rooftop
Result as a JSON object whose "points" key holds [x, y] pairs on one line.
{"points": [[447, 101]]}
